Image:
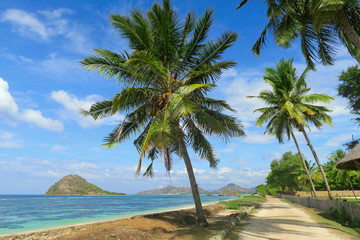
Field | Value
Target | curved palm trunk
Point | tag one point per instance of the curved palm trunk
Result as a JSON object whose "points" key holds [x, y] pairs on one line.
{"points": [[199, 210], [317, 161], [352, 189], [304, 163], [349, 30]]}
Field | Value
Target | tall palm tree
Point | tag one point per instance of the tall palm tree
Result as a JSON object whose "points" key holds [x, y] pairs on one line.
{"points": [[320, 25], [165, 80], [290, 106], [280, 125]]}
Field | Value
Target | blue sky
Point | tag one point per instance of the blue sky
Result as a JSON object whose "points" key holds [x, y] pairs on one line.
{"points": [[42, 86]]}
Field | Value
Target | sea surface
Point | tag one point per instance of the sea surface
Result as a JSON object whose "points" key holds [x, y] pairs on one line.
{"points": [[31, 212]]}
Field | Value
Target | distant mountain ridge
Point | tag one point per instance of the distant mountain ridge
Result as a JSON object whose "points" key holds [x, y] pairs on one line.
{"points": [[170, 190], [76, 185], [233, 188], [230, 188]]}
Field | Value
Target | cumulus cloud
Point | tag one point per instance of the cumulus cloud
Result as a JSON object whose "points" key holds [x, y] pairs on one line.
{"points": [[72, 104], [11, 114], [8, 107], [245, 84], [36, 118]]}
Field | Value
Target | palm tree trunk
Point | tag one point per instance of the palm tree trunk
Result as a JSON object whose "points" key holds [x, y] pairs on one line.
{"points": [[317, 161], [352, 188], [304, 163], [349, 30], [199, 210]]}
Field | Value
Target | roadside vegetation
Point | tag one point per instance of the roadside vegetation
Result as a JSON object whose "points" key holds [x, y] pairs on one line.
{"points": [[333, 219], [244, 201], [287, 175]]}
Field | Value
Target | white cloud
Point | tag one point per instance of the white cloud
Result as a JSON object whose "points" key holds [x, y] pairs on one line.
{"points": [[72, 105], [25, 23], [4, 53], [7, 140], [8, 107], [57, 13], [82, 166], [57, 147], [245, 84], [254, 137], [9, 112], [240, 161], [224, 170], [36, 118], [337, 140], [47, 25]]}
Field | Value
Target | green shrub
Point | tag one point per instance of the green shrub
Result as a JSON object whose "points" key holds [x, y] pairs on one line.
{"points": [[341, 216]]}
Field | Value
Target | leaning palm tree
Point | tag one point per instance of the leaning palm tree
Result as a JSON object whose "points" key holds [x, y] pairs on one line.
{"points": [[280, 125], [165, 80], [320, 25], [290, 106]]}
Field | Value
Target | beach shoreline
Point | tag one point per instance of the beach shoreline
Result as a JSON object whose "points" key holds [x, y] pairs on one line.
{"points": [[77, 226]]}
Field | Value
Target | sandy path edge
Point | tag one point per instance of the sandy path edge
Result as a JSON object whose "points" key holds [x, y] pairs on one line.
{"points": [[279, 220]]}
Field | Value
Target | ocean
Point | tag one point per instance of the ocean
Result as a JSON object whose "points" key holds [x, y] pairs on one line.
{"points": [[31, 212]]}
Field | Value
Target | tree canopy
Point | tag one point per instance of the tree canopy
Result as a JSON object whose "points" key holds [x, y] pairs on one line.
{"points": [[165, 80], [349, 88], [319, 24]]}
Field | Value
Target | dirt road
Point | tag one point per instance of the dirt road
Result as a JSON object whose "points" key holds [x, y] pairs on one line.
{"points": [[279, 220]]}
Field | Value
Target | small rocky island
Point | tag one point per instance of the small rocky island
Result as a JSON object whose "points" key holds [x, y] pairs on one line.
{"points": [[76, 185]]}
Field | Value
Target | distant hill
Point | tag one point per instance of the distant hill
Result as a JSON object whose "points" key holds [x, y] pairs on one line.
{"points": [[76, 185], [231, 187], [171, 190]]}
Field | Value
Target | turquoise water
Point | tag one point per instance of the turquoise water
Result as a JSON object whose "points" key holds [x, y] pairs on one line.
{"points": [[30, 212]]}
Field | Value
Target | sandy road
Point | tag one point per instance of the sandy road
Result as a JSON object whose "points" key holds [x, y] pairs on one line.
{"points": [[278, 220]]}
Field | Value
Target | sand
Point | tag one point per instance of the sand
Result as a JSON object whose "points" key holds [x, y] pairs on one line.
{"points": [[279, 220], [163, 225]]}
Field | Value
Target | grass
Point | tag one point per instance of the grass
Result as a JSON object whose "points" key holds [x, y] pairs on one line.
{"points": [[325, 220], [244, 201], [349, 200]]}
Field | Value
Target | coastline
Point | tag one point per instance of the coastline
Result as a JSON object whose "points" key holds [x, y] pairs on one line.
{"points": [[25, 233]]}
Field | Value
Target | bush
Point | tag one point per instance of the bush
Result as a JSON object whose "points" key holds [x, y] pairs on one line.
{"points": [[341, 216]]}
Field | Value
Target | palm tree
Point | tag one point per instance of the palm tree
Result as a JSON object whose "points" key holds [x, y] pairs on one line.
{"points": [[290, 106], [165, 80], [316, 23], [279, 122]]}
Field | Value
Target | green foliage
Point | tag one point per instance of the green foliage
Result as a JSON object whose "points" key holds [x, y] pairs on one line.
{"points": [[319, 24], [262, 190], [165, 81], [338, 179], [265, 190], [349, 88], [244, 201], [341, 216], [285, 172]]}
